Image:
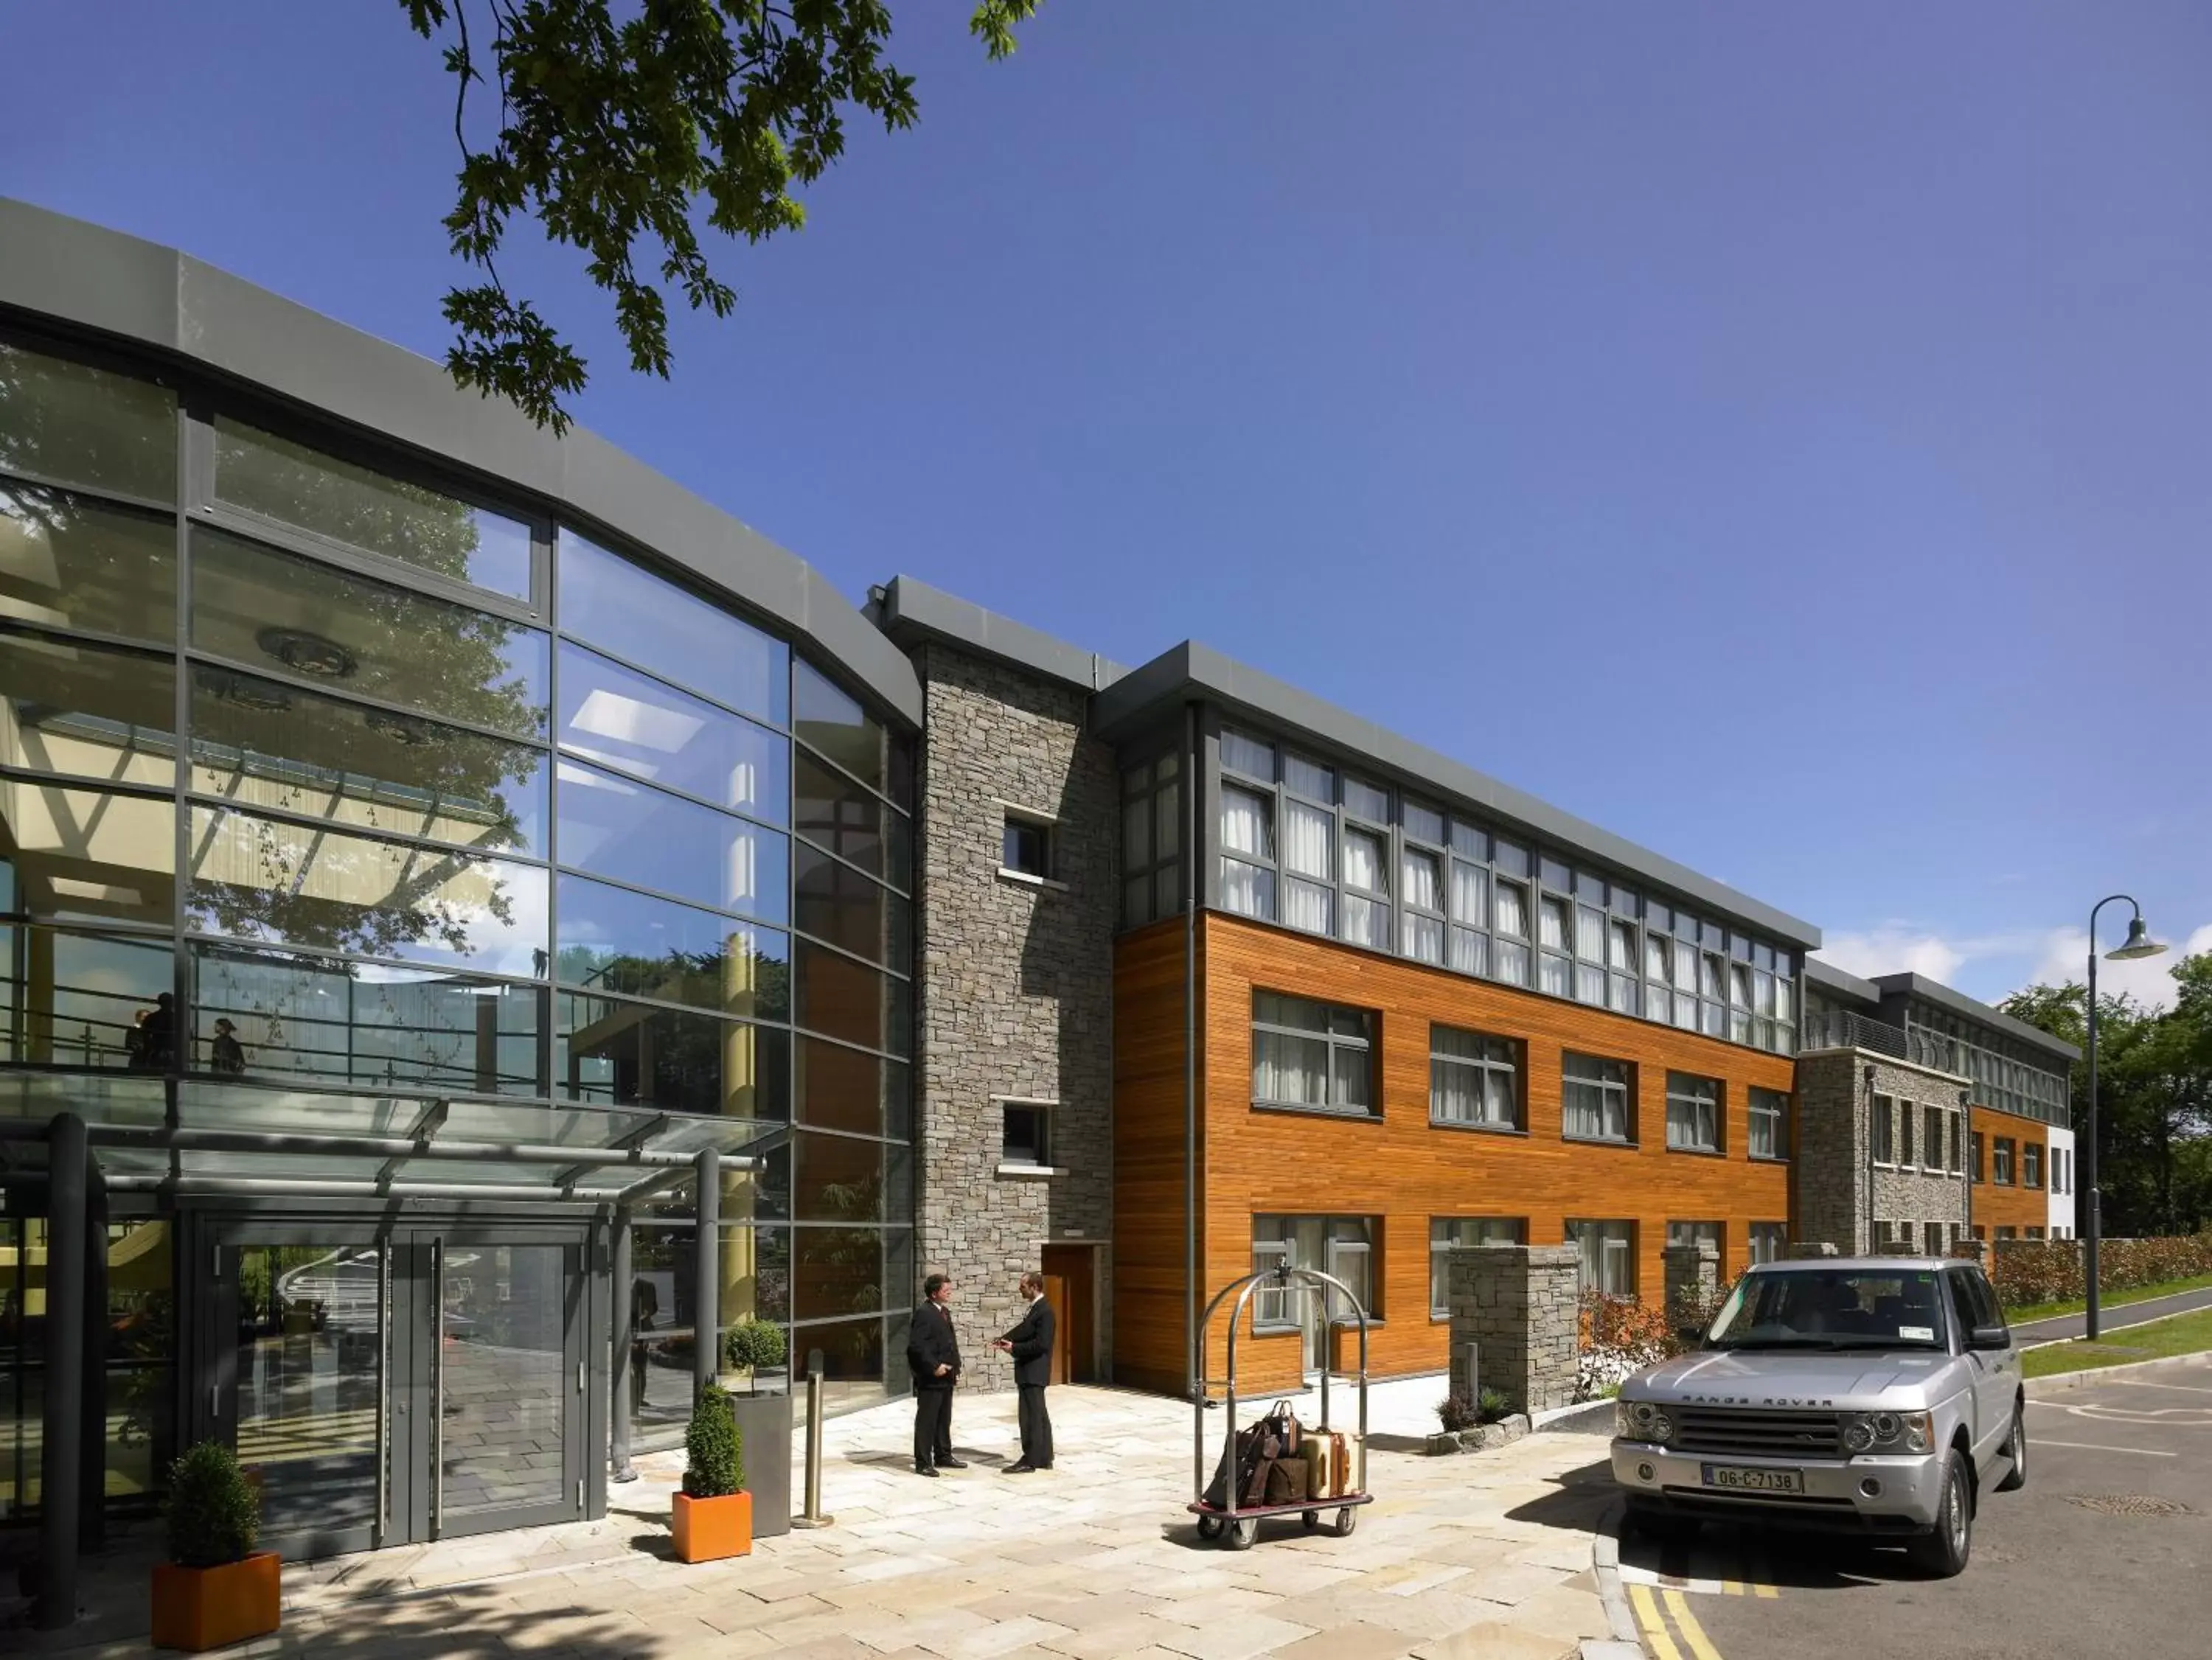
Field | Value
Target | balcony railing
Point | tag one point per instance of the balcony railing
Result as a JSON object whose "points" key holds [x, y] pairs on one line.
{"points": [[1839, 1029]]}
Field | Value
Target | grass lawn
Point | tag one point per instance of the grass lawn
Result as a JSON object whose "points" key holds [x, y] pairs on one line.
{"points": [[2111, 1299], [2184, 1334]]}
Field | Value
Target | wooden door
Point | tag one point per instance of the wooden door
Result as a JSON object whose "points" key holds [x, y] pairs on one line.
{"points": [[1070, 1276], [1055, 1297]]}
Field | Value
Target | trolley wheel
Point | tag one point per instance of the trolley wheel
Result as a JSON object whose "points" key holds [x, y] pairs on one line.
{"points": [[1209, 1527], [1241, 1532], [1347, 1519], [1312, 1520]]}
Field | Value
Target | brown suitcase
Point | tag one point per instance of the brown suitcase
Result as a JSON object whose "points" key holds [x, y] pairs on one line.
{"points": [[1286, 1482]]}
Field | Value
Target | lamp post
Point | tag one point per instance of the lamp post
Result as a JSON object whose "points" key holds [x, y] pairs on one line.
{"points": [[2139, 943]]}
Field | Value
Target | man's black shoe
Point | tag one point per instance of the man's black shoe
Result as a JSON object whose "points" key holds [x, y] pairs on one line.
{"points": [[1023, 1468], [952, 1464], [926, 1470]]}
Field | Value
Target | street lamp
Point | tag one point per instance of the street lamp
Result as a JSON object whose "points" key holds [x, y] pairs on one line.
{"points": [[2139, 943]]}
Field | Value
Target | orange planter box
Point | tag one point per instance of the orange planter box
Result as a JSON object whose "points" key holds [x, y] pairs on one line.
{"points": [[707, 1529], [199, 1608]]}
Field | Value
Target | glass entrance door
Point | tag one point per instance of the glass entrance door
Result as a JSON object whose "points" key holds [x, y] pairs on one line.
{"points": [[389, 1386]]}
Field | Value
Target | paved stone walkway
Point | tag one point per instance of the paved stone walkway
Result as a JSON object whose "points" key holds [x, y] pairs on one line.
{"points": [[1483, 1555]]}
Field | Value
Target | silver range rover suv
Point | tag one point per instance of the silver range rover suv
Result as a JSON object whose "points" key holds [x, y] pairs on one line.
{"points": [[1879, 1396]]}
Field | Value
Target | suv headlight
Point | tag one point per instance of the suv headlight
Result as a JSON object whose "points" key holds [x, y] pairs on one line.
{"points": [[1641, 1420], [1888, 1431]]}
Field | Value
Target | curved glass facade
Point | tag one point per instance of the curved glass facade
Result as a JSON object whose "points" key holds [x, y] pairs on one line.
{"points": [[318, 772]]}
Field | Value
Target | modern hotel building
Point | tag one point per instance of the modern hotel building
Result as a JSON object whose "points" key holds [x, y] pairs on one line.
{"points": [[477, 917]]}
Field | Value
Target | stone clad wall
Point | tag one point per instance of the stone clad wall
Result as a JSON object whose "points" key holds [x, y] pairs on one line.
{"points": [[1830, 1173], [1693, 1276], [1016, 989], [1517, 1304]]}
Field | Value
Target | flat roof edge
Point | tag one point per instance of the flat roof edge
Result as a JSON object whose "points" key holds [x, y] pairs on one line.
{"points": [[913, 610], [61, 270], [1828, 975], [1919, 985], [1192, 670]]}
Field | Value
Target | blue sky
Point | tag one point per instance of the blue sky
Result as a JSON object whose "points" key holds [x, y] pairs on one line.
{"points": [[1782, 437]]}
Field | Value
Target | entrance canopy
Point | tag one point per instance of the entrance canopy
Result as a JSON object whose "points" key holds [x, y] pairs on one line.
{"points": [[255, 1139]]}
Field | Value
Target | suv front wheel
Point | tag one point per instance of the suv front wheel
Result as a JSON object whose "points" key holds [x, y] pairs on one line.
{"points": [[1942, 1553]]}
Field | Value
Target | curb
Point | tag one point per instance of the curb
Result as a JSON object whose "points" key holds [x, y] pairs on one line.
{"points": [[2058, 1382], [1605, 1563]]}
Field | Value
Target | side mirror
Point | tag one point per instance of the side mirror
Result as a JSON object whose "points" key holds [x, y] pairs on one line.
{"points": [[1989, 1337]]}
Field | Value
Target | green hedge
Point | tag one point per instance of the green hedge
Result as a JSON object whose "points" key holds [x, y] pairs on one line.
{"points": [[2027, 1272]]}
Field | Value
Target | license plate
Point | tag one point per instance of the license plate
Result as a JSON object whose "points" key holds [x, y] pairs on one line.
{"points": [[1741, 1480]]}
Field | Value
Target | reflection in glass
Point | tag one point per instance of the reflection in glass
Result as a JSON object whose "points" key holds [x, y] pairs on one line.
{"points": [[310, 491], [626, 1054], [86, 854], [310, 1339], [141, 1347], [837, 1178], [831, 811], [261, 743], [613, 940], [832, 723], [662, 1265], [840, 998], [631, 833], [84, 426], [288, 884], [837, 1271], [837, 902], [71, 999], [633, 722], [842, 1089], [503, 1377], [626, 609], [87, 710], [258, 606], [855, 1354], [67, 560], [258, 1015]]}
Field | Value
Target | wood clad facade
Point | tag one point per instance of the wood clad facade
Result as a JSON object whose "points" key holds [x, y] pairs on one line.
{"points": [[1396, 1168], [2013, 1205]]}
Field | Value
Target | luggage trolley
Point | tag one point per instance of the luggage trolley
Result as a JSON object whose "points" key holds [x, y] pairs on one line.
{"points": [[1237, 1524]]}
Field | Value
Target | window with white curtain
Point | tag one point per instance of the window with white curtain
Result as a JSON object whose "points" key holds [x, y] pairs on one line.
{"points": [[1312, 1054], [1694, 1112], [1474, 1079], [1309, 778], [1420, 894], [1770, 1241], [1554, 927], [1593, 1104], [1739, 1003], [1309, 866], [1769, 1123], [1366, 800], [1253, 757], [1247, 827], [1366, 921], [1608, 1256], [1589, 954]]}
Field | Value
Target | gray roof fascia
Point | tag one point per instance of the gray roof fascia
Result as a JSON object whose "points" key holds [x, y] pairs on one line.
{"points": [[1830, 979], [1958, 1003], [1191, 670], [61, 269], [912, 610]]}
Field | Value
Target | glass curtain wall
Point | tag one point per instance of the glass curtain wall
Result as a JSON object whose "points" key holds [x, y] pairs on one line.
{"points": [[319, 771]]}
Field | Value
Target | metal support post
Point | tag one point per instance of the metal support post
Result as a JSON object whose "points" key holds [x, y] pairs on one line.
{"points": [[707, 1273], [623, 1377], [92, 1451], [813, 1517], [63, 1416]]}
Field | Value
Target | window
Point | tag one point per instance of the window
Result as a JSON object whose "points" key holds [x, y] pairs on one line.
{"points": [[1608, 1256], [1024, 1139], [1554, 922], [1421, 932], [1931, 1138], [2031, 1166], [1247, 828], [1026, 849], [1693, 1113], [1739, 1003], [2035, 1233], [1253, 757], [1366, 921], [2001, 1161], [1658, 975], [2008, 1234], [1770, 1124], [1308, 865], [1974, 1154], [1770, 1241], [1905, 1133], [1474, 1079], [1589, 954], [1932, 1238], [1690, 1234], [1512, 941], [1152, 841], [1594, 1098], [1883, 1128], [1310, 1055], [1446, 1233], [1957, 1159], [1338, 1245]]}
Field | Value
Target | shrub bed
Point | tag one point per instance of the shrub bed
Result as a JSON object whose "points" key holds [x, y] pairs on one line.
{"points": [[2031, 1271]]}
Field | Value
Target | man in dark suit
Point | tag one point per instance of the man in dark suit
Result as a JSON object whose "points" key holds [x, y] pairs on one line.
{"points": [[933, 1354], [1030, 1343]]}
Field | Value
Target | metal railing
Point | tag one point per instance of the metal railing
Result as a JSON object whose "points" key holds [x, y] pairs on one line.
{"points": [[1838, 1029]]}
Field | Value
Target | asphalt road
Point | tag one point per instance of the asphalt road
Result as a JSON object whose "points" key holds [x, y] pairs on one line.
{"points": [[2107, 1551], [2127, 1314]]}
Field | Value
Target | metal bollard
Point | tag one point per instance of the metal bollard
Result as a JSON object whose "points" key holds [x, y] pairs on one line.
{"points": [[813, 1517]]}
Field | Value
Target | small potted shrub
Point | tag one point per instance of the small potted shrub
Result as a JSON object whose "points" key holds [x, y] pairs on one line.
{"points": [[713, 1514], [215, 1588], [754, 1346], [757, 1349]]}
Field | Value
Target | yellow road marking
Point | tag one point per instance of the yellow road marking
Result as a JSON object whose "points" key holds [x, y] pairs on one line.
{"points": [[1686, 1623], [1654, 1623], [1731, 1588], [1763, 1590]]}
